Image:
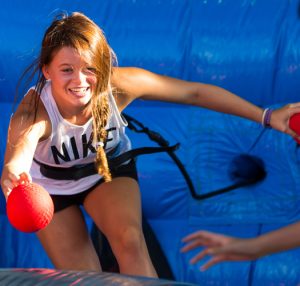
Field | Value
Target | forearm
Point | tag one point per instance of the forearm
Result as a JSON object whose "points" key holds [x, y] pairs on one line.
{"points": [[136, 83], [156, 87], [21, 143], [279, 240], [221, 100], [19, 154]]}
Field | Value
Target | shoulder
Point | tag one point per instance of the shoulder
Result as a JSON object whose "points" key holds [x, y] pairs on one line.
{"points": [[129, 75], [122, 81], [130, 83], [32, 106], [31, 113]]}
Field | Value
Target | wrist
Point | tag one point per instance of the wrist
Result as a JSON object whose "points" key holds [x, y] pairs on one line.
{"points": [[266, 118], [258, 247]]}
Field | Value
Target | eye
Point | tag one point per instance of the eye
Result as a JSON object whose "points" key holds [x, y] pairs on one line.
{"points": [[67, 70], [91, 70]]}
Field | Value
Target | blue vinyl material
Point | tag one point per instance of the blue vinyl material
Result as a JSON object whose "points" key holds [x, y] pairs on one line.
{"points": [[249, 47]]}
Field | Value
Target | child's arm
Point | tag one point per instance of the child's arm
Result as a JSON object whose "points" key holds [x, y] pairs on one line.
{"points": [[134, 83], [226, 248], [23, 135]]}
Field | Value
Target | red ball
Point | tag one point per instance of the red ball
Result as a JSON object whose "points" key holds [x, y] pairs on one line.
{"points": [[295, 124], [29, 207]]}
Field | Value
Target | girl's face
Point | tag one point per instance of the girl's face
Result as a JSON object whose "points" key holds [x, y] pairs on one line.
{"points": [[73, 79]]}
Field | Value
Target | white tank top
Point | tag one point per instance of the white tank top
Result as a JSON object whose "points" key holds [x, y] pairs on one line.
{"points": [[71, 144]]}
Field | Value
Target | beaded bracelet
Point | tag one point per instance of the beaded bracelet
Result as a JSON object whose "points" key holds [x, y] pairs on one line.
{"points": [[266, 118]]}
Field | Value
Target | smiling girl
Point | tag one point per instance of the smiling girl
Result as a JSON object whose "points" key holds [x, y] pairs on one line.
{"points": [[68, 128]]}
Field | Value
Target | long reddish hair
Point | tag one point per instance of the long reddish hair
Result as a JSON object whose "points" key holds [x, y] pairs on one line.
{"points": [[85, 36]]}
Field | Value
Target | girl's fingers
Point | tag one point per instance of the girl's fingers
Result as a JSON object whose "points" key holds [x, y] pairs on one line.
{"points": [[25, 178], [17, 180], [199, 256], [214, 260], [295, 106], [189, 246], [8, 186], [14, 179], [203, 235]]}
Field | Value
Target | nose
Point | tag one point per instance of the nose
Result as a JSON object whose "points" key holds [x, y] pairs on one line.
{"points": [[79, 77]]}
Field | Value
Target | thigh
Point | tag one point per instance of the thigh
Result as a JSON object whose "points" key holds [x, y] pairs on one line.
{"points": [[115, 204], [67, 242]]}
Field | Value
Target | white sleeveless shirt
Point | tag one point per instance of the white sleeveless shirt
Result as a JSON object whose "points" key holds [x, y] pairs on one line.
{"points": [[70, 145]]}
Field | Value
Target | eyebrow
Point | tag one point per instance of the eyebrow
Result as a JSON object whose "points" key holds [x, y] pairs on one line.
{"points": [[65, 64]]}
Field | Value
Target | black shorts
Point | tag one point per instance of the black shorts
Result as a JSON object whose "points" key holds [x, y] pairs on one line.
{"points": [[63, 201]]}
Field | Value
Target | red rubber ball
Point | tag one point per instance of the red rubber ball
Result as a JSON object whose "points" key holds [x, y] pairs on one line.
{"points": [[29, 207], [295, 124]]}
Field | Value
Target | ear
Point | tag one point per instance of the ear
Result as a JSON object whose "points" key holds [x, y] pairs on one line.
{"points": [[45, 72]]}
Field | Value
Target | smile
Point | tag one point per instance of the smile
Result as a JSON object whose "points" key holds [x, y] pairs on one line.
{"points": [[79, 91]]}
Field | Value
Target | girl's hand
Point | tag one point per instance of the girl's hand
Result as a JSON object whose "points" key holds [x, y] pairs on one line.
{"points": [[219, 247], [12, 180], [280, 119]]}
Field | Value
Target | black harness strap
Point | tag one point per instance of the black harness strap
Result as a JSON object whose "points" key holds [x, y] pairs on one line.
{"points": [[80, 171], [71, 173], [253, 173], [117, 161]]}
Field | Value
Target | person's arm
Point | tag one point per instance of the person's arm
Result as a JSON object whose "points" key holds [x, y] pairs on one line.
{"points": [[133, 83], [23, 136], [225, 248]]}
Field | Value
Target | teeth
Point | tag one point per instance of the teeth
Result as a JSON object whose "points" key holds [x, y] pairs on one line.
{"points": [[82, 89]]}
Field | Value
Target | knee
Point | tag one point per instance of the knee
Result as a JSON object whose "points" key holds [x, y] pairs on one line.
{"points": [[128, 240]]}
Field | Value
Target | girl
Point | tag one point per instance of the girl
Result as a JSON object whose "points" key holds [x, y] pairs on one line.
{"points": [[71, 118]]}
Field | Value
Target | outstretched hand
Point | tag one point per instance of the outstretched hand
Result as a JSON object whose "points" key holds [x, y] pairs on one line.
{"points": [[281, 116], [12, 180], [219, 247]]}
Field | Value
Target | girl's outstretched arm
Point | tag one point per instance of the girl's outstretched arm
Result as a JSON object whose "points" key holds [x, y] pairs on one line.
{"points": [[133, 83], [226, 248]]}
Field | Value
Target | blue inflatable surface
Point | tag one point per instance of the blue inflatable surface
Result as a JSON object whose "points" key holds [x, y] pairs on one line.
{"points": [[249, 47]]}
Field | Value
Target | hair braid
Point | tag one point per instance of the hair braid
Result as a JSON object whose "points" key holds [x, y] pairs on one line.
{"points": [[100, 110]]}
